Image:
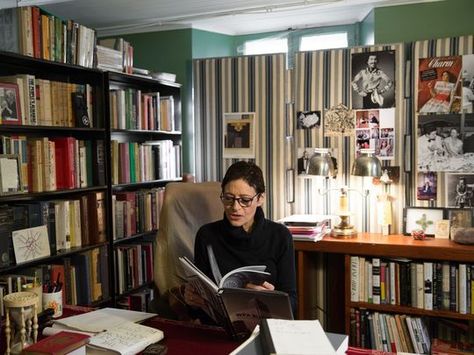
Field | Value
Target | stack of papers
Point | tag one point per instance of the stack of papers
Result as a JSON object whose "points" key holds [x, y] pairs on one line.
{"points": [[307, 227]]}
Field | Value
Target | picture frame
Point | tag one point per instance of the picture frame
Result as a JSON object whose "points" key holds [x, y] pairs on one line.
{"points": [[459, 190], [415, 218], [460, 217], [239, 135], [31, 244], [10, 108], [10, 174], [442, 229]]}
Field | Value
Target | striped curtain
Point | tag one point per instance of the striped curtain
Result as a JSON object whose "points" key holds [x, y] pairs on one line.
{"points": [[243, 84]]}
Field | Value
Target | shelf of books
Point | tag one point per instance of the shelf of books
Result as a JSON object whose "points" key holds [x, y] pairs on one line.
{"points": [[53, 184], [145, 154], [404, 303]]}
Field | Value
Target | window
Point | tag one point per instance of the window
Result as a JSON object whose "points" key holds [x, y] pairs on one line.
{"points": [[326, 41], [266, 46]]}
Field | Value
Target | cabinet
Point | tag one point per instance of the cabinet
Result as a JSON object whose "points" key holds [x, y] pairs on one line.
{"points": [[144, 153], [63, 174], [369, 246]]}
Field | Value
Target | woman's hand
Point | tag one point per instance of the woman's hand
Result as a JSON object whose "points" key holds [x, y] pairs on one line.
{"points": [[192, 298], [266, 286]]}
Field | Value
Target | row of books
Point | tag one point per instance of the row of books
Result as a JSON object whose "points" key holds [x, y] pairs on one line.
{"points": [[118, 57], [134, 265], [136, 212], [49, 164], [428, 285], [48, 103], [388, 332], [139, 162], [133, 109], [137, 301], [30, 31], [70, 223], [84, 277]]}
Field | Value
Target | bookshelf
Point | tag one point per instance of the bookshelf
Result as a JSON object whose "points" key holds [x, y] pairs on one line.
{"points": [[63, 177], [144, 130], [368, 246]]}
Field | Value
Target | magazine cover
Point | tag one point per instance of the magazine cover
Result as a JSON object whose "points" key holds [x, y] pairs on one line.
{"points": [[439, 85]]}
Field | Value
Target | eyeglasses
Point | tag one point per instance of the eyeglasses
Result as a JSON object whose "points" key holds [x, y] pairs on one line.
{"points": [[229, 200]]}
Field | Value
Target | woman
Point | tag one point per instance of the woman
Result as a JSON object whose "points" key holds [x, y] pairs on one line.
{"points": [[440, 92], [452, 144], [245, 237]]}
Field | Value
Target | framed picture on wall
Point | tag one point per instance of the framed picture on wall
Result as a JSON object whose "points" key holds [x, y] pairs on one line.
{"points": [[239, 135], [459, 190], [460, 217], [424, 218]]}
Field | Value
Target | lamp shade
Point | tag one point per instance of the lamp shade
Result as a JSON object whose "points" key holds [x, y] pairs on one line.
{"points": [[367, 164], [321, 163]]}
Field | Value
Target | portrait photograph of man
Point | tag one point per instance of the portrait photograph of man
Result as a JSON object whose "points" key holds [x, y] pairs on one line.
{"points": [[373, 80]]}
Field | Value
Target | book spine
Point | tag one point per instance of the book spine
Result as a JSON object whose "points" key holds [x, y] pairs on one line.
{"points": [[428, 285]]}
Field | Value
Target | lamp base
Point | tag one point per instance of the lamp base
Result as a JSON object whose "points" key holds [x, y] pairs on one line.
{"points": [[344, 229]]}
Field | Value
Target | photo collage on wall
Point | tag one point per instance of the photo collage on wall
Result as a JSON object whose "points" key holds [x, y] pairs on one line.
{"points": [[373, 98], [445, 139]]}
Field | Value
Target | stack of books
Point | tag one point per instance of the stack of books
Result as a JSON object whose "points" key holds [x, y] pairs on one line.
{"points": [[307, 227]]}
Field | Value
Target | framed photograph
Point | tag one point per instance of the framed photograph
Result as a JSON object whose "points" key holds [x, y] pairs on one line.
{"points": [[427, 186], [10, 104], [460, 217], [10, 174], [459, 190], [239, 135], [442, 229], [424, 218], [308, 119], [30, 244]]}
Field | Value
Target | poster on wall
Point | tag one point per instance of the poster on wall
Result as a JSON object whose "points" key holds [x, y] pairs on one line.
{"points": [[373, 80], [445, 143], [239, 135], [468, 83], [439, 85], [427, 186], [308, 119], [375, 129], [459, 190]]}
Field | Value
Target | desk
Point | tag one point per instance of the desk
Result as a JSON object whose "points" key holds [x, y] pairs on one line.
{"points": [[183, 338], [368, 244]]}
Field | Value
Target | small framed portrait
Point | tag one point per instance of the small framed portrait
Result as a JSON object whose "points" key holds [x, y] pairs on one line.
{"points": [[308, 119], [459, 217], [239, 135], [424, 218], [10, 104], [459, 190], [427, 186], [442, 229], [10, 174]]}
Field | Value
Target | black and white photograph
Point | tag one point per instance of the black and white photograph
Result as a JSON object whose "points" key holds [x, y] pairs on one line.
{"points": [[239, 135], [308, 119], [459, 190], [10, 104], [427, 186], [423, 218], [445, 144], [467, 90], [303, 159], [460, 217], [373, 80]]}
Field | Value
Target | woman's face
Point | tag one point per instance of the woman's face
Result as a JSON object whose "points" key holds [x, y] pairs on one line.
{"points": [[237, 215], [445, 76], [454, 133]]}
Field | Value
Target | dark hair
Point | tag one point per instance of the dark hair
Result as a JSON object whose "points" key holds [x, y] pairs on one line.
{"points": [[247, 171]]}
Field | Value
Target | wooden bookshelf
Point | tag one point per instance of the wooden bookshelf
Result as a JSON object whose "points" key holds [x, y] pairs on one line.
{"points": [[338, 251]]}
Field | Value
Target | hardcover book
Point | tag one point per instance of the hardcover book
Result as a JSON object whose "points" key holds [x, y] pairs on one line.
{"points": [[59, 344], [235, 307]]}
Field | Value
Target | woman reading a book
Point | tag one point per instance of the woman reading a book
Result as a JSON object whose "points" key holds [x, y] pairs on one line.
{"points": [[245, 237]]}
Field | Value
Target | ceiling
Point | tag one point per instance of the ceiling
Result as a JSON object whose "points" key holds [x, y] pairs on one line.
{"points": [[235, 17]]}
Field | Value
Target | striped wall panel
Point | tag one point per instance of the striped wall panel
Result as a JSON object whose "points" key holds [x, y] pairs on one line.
{"points": [[243, 84]]}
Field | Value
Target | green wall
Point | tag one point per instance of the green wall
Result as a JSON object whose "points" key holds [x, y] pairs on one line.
{"points": [[367, 29], [170, 51], [407, 23], [210, 44]]}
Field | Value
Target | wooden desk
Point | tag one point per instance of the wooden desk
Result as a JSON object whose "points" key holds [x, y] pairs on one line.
{"points": [[372, 244]]}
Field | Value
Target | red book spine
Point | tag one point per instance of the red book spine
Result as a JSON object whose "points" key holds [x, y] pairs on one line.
{"points": [[36, 19]]}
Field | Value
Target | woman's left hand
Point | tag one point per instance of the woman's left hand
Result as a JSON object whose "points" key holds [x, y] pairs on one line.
{"points": [[266, 286]]}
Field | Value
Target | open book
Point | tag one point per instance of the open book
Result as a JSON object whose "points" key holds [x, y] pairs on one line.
{"points": [[235, 307]]}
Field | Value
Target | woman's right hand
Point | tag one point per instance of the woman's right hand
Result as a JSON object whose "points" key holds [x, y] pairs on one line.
{"points": [[192, 298]]}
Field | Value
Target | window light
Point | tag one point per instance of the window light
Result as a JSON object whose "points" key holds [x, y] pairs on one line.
{"points": [[266, 46], [326, 41]]}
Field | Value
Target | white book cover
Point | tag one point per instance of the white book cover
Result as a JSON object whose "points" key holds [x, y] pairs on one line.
{"points": [[428, 285], [354, 279]]}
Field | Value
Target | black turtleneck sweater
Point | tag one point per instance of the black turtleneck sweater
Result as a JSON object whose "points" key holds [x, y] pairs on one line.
{"points": [[268, 243]]}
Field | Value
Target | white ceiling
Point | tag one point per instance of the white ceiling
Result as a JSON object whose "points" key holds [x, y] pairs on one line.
{"points": [[233, 17]]}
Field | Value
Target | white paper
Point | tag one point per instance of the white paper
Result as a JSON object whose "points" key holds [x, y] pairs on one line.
{"points": [[103, 319], [30, 244], [9, 174]]}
